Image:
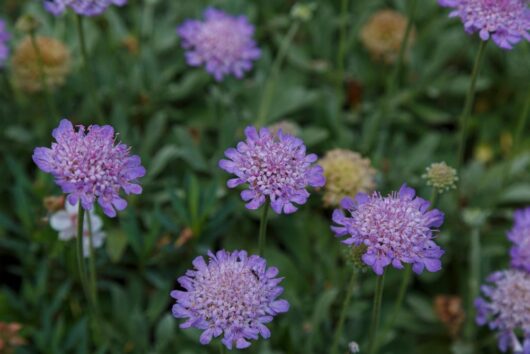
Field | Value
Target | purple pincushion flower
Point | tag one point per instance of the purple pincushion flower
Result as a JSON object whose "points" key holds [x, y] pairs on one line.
{"points": [[274, 166], [4, 49], [505, 307], [222, 43], [506, 21], [395, 229], [520, 236], [89, 166], [233, 295], [81, 7]]}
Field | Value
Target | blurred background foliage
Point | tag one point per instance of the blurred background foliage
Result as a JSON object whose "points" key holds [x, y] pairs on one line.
{"points": [[180, 121]]}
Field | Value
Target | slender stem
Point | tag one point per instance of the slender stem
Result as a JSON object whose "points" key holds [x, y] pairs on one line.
{"points": [[376, 314], [342, 45], [268, 92], [92, 265], [521, 123], [470, 97], [342, 317], [79, 248], [474, 280], [87, 68], [434, 197], [222, 348], [263, 228], [43, 77]]}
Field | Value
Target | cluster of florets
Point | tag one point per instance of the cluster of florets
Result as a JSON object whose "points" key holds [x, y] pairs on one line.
{"points": [[441, 177], [81, 7]]}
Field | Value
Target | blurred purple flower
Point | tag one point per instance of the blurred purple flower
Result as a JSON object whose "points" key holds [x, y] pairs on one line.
{"points": [[395, 229], [89, 166], [222, 43], [81, 7], [520, 236], [506, 21], [4, 37], [505, 307], [234, 294], [274, 166]]}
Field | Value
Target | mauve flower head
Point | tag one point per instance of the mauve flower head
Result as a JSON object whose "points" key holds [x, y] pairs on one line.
{"points": [[233, 295], [221, 43], [89, 166], [507, 22], [81, 7], [520, 236], [274, 166], [395, 229], [4, 38], [505, 307]]}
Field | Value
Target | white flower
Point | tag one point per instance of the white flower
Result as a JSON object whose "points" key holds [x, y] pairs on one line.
{"points": [[65, 221]]}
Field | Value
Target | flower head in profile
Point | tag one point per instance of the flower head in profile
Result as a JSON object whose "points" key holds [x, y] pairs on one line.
{"points": [[51, 61], [395, 229], [234, 295], [90, 166], [520, 236], [505, 307], [383, 34], [440, 176], [347, 173], [65, 222], [274, 166], [4, 38], [221, 43], [506, 22], [81, 7]]}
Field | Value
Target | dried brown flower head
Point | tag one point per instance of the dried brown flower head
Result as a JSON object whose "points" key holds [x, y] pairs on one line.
{"points": [[383, 33], [53, 203], [51, 60], [449, 310], [9, 337]]}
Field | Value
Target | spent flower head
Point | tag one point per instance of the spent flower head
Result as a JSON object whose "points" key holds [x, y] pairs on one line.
{"points": [[49, 63], [10, 337], [222, 43], [505, 307], [4, 38], [90, 166], [383, 34], [81, 7], [440, 176], [275, 166], [507, 22], [234, 295], [395, 229], [520, 237], [347, 173]]}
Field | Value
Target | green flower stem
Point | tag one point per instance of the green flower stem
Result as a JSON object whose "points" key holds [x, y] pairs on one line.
{"points": [[474, 281], [43, 77], [470, 97], [342, 317], [434, 197], [222, 348], [263, 228], [376, 314], [407, 273], [88, 69], [92, 265], [79, 249], [270, 84], [342, 45], [521, 124], [383, 117]]}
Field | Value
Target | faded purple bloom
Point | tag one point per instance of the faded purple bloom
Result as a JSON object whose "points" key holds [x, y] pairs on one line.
{"points": [[395, 229], [505, 307], [4, 49], [81, 7], [520, 236], [506, 21], [275, 166], [233, 294], [222, 43], [89, 165]]}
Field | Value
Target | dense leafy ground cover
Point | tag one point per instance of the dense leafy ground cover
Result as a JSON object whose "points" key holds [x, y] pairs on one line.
{"points": [[314, 71]]}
